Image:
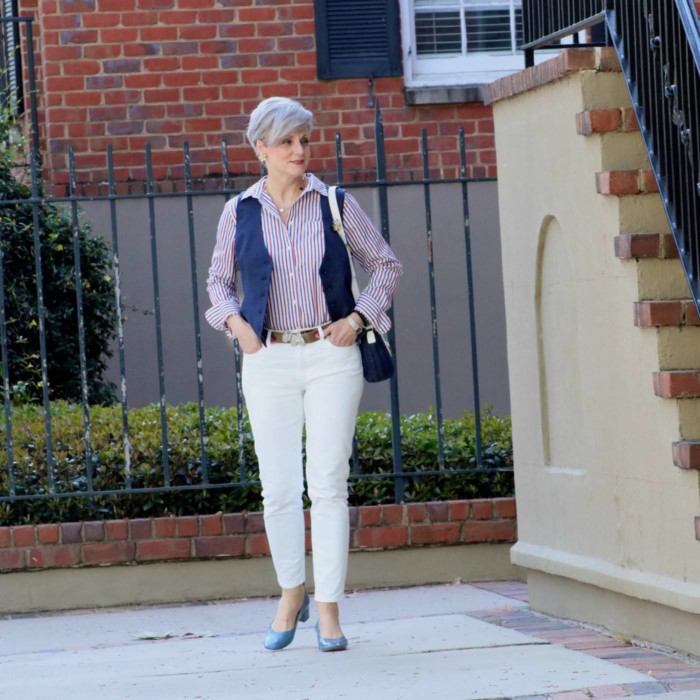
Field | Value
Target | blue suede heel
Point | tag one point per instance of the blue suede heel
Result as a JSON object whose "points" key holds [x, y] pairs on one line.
{"points": [[279, 640], [326, 644]]}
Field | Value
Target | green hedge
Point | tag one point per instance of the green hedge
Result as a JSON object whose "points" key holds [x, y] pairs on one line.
{"points": [[97, 286], [419, 443]]}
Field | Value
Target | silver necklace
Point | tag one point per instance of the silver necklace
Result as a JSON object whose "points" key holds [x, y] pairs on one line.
{"points": [[281, 210]]}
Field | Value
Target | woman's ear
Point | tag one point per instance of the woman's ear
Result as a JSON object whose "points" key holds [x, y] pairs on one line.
{"points": [[261, 149]]}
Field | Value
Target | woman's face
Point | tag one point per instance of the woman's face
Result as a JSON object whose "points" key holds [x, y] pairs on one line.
{"points": [[289, 157]]}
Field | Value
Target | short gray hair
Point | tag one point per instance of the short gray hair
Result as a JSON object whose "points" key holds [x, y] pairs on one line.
{"points": [[276, 117]]}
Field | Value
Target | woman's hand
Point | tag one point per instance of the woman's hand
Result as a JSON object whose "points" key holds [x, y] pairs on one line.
{"points": [[249, 342], [341, 333]]}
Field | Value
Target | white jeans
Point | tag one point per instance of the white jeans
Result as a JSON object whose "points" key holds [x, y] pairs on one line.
{"points": [[287, 387]]}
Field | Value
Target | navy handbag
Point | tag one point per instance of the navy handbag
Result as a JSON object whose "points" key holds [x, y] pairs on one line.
{"points": [[377, 360]]}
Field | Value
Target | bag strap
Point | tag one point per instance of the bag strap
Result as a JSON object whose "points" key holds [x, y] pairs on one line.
{"points": [[340, 230]]}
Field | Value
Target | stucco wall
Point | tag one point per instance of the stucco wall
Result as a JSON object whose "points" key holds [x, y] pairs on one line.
{"points": [[599, 499]]}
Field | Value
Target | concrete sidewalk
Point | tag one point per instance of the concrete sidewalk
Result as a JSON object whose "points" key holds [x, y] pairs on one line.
{"points": [[457, 642]]}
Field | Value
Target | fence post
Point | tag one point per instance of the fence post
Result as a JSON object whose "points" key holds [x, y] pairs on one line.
{"points": [[397, 458]]}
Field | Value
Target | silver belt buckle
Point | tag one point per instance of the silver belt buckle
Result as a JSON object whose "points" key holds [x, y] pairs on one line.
{"points": [[293, 337]]}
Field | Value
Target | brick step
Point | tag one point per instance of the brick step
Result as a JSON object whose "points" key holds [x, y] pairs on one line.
{"points": [[606, 121], [686, 454], [630, 246], [677, 384], [626, 182], [672, 313]]}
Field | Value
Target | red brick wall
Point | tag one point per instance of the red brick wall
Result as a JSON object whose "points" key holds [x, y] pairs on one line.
{"points": [[31, 547], [127, 72]]}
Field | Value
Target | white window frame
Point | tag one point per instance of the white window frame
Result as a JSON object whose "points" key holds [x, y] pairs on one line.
{"points": [[471, 69]]}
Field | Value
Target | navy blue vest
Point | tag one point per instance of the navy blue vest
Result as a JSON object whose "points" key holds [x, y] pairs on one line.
{"points": [[255, 264]]}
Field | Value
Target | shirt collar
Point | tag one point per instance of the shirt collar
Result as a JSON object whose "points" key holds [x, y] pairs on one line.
{"points": [[313, 183]]}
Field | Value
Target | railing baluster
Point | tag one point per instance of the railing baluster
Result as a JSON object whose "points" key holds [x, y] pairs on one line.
{"points": [[195, 308], [159, 327], [397, 457], [82, 351], [338, 159], [119, 315], [41, 316], [339, 182], [7, 397], [33, 108], [470, 298], [433, 300]]}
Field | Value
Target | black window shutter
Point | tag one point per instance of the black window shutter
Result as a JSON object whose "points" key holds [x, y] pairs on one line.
{"points": [[357, 38]]}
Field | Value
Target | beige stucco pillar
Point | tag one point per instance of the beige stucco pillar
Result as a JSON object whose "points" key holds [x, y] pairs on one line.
{"points": [[605, 520]]}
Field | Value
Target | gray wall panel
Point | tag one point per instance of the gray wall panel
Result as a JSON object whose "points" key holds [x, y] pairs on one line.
{"points": [[412, 303]]}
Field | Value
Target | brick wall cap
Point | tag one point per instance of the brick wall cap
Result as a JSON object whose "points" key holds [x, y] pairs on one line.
{"points": [[602, 59]]}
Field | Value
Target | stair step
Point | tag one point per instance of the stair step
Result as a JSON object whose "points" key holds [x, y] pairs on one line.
{"points": [[677, 384], [686, 454], [624, 182], [645, 245], [675, 312], [605, 121]]}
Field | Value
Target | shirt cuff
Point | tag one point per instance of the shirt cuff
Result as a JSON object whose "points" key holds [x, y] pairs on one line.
{"points": [[217, 315], [373, 313]]}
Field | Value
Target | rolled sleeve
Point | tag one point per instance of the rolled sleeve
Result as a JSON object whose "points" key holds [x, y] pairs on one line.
{"points": [[377, 259], [221, 282]]}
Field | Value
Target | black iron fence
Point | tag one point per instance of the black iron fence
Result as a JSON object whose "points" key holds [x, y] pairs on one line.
{"points": [[91, 483], [658, 43]]}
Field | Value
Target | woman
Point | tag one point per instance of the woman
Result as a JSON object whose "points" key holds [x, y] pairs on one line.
{"points": [[297, 328]]}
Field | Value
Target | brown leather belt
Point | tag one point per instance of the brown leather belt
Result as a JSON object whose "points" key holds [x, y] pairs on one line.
{"points": [[297, 337]]}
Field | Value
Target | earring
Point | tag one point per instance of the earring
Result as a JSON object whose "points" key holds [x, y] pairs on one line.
{"points": [[262, 157]]}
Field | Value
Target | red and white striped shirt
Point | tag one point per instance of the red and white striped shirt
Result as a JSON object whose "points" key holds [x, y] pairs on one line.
{"points": [[296, 297]]}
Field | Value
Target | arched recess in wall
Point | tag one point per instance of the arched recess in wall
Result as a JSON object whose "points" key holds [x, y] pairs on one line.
{"points": [[558, 354]]}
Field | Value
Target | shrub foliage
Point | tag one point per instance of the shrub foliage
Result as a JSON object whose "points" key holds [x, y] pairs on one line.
{"points": [[61, 319], [419, 449]]}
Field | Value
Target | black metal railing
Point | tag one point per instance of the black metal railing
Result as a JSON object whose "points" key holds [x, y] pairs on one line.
{"points": [[239, 474], [658, 44], [545, 22]]}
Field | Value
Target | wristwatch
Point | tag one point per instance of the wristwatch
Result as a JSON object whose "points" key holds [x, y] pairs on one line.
{"points": [[365, 322], [354, 324]]}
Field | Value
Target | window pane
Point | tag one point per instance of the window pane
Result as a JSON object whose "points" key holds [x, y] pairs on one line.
{"points": [[438, 33], [489, 30]]}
